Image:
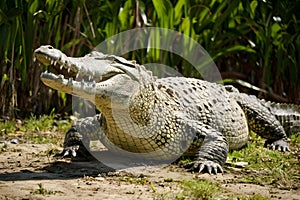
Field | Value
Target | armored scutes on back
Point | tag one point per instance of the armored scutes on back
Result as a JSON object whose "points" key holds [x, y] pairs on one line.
{"points": [[159, 119]]}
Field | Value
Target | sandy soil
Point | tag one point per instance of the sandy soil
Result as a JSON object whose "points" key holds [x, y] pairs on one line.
{"points": [[27, 171]]}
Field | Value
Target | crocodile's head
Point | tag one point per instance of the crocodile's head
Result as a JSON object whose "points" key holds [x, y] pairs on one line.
{"points": [[95, 77]]}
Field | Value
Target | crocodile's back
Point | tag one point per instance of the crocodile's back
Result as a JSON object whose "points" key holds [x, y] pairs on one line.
{"points": [[210, 104]]}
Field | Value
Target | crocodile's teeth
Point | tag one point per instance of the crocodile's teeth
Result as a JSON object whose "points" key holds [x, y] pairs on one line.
{"points": [[90, 77], [34, 59], [52, 62], [70, 82], [82, 82], [77, 75], [69, 69], [55, 62], [60, 78], [61, 67]]}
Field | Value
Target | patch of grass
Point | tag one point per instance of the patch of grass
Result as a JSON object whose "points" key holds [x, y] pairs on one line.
{"points": [[45, 123], [43, 191], [199, 189], [168, 180], [268, 167], [42, 140], [38, 124], [6, 128], [254, 197], [43, 129], [184, 160], [258, 197], [152, 187], [134, 180], [295, 140]]}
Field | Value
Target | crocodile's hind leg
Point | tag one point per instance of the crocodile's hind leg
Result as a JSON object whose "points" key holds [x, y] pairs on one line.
{"points": [[77, 139], [209, 147], [261, 120]]}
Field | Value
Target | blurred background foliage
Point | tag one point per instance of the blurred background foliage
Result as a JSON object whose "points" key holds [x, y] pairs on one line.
{"points": [[254, 43]]}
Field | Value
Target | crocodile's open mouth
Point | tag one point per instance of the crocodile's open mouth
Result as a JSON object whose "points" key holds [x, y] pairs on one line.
{"points": [[61, 67], [56, 67]]}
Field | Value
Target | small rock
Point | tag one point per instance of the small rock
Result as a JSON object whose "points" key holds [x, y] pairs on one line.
{"points": [[240, 164], [73, 118], [14, 141], [100, 178]]}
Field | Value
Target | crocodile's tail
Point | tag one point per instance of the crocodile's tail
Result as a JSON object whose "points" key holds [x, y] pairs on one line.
{"points": [[287, 114]]}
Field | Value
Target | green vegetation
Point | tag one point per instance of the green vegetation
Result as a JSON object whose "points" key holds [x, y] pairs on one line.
{"points": [[264, 167], [7, 127], [207, 190], [260, 38], [134, 180], [43, 129], [43, 191], [295, 139], [253, 197], [268, 167], [168, 180], [200, 189]]}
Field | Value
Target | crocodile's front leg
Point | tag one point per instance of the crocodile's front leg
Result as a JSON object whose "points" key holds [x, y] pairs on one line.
{"points": [[211, 148], [77, 139]]}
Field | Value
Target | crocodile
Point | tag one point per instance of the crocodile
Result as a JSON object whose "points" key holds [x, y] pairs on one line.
{"points": [[160, 118]]}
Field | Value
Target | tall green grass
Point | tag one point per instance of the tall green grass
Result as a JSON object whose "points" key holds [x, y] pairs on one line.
{"points": [[256, 41]]}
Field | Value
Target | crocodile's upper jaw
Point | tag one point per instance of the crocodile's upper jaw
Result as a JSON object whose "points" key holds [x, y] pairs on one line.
{"points": [[85, 76]]}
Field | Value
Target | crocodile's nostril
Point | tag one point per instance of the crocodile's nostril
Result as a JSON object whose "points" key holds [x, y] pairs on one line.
{"points": [[50, 47]]}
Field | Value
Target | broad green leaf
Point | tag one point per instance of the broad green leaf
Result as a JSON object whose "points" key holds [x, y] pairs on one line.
{"points": [[253, 6], [5, 77], [125, 13], [222, 16], [33, 5], [70, 44], [233, 49], [180, 10], [164, 10]]}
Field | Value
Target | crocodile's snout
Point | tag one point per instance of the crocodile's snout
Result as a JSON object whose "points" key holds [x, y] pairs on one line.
{"points": [[89, 69]]}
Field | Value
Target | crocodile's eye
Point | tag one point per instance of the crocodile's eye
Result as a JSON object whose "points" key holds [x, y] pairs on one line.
{"points": [[50, 47]]}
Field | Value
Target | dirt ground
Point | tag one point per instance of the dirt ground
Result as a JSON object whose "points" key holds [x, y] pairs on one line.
{"points": [[28, 171]]}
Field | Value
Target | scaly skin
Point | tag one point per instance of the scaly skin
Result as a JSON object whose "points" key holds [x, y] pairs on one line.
{"points": [[160, 119]]}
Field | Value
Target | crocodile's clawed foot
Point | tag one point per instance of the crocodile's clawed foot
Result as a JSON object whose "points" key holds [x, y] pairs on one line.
{"points": [[76, 153], [70, 151], [280, 145], [201, 166]]}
